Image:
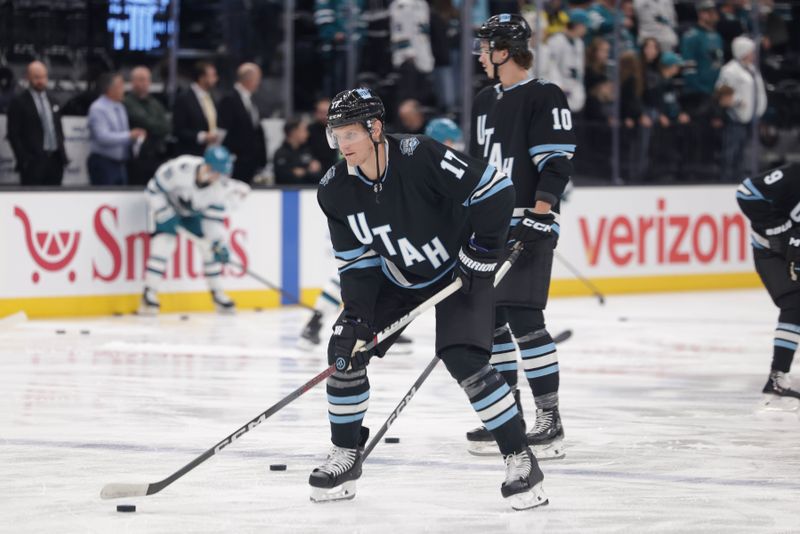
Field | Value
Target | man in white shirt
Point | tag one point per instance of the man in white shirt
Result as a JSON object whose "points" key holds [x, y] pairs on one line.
{"points": [[749, 103], [657, 19]]}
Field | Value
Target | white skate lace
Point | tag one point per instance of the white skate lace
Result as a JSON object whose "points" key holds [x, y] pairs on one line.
{"points": [[518, 466], [544, 420], [339, 460], [781, 381]]}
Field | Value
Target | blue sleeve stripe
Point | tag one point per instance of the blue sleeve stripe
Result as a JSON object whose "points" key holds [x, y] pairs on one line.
{"points": [[366, 263], [547, 158], [539, 149], [506, 182], [742, 196], [348, 255], [556, 228], [487, 175], [748, 183]]}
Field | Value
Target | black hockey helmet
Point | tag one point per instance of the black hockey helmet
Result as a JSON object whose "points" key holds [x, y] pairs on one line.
{"points": [[507, 31], [354, 106]]}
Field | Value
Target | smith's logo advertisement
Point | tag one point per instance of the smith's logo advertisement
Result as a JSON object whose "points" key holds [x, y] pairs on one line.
{"points": [[52, 250]]}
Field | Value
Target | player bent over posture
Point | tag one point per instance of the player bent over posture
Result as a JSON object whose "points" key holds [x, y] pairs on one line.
{"points": [[404, 214], [770, 201], [523, 126], [195, 194]]}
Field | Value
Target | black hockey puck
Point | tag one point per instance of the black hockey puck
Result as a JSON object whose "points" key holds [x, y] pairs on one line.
{"points": [[277, 467], [126, 508], [391, 440], [61, 331], [117, 314], [259, 310], [623, 319], [85, 332], [184, 317]]}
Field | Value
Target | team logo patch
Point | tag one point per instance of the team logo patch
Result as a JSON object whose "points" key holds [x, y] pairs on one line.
{"points": [[341, 363], [328, 176], [409, 145]]}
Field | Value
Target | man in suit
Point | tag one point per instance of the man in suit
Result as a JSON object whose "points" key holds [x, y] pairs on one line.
{"points": [[194, 117], [34, 132], [239, 116]]}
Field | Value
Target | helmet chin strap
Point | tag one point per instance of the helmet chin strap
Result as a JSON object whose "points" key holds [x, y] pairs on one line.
{"points": [[378, 186], [495, 67]]}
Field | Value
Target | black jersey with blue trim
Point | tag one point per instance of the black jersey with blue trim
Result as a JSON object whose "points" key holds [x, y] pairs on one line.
{"points": [[409, 226], [771, 201], [526, 131]]}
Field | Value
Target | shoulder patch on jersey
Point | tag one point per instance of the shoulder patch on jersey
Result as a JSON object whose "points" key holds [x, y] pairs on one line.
{"points": [[409, 145], [328, 176]]}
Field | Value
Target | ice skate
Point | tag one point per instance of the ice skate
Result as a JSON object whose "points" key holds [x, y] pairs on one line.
{"points": [[222, 302], [149, 304], [335, 480], [779, 395], [547, 436], [523, 485], [309, 337]]}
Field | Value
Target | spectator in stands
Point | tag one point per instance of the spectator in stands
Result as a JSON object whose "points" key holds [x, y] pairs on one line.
{"points": [[748, 104], [542, 66], [317, 138], [294, 164], [602, 17], [34, 132], [651, 94], [240, 118], [338, 21], [146, 112], [657, 20], [596, 63], [774, 27], [444, 35], [194, 115], [7, 87], [733, 22], [557, 17], [702, 45], [631, 109], [110, 135], [376, 50], [673, 121], [412, 56], [567, 57], [412, 119]]}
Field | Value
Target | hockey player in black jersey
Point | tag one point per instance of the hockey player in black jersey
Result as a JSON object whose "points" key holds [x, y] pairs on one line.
{"points": [[523, 126], [406, 214], [772, 203]]}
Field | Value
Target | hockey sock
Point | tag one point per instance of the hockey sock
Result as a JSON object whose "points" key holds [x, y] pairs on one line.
{"points": [[212, 269], [329, 300], [787, 336], [161, 247], [348, 399], [504, 355], [540, 362]]}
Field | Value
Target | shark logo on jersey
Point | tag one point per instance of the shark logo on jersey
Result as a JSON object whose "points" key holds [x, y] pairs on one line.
{"points": [[328, 176], [493, 151], [408, 146]]}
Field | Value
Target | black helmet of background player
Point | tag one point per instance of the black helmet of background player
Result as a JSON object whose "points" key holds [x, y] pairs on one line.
{"points": [[353, 106], [507, 31]]}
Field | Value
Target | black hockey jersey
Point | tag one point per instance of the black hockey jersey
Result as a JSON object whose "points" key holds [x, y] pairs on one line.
{"points": [[526, 132], [772, 202], [409, 226]]}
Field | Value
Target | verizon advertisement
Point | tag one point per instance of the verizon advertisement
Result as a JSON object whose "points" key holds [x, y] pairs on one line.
{"points": [[85, 243]]}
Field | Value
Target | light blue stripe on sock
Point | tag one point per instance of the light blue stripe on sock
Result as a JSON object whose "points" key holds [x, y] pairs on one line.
{"points": [[785, 344], [789, 327], [503, 347], [538, 351], [344, 419], [502, 418], [512, 366], [544, 371], [352, 399], [491, 399]]}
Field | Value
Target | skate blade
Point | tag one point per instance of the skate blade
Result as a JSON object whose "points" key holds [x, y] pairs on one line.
{"points": [[533, 498], [342, 492], [551, 451], [775, 403], [226, 311], [483, 448]]}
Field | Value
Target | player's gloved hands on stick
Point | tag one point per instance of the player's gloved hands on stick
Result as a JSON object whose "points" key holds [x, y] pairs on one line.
{"points": [[349, 336], [476, 267], [535, 228], [221, 252]]}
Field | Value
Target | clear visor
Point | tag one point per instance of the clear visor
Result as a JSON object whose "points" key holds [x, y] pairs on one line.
{"points": [[347, 137], [480, 46]]}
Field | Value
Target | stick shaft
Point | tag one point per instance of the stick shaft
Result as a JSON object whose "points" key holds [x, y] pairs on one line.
{"points": [[588, 283]]}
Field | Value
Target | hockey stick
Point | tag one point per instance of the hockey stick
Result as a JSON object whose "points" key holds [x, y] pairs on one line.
{"points": [[274, 287], [119, 490], [593, 288], [501, 272]]}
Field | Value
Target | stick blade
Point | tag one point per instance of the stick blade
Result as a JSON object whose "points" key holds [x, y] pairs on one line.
{"points": [[118, 491]]}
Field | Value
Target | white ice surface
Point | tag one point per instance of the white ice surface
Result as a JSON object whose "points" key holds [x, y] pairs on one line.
{"points": [[659, 398]]}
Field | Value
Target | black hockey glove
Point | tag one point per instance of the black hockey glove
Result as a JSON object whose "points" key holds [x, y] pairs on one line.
{"points": [[535, 228], [476, 267], [349, 336]]}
